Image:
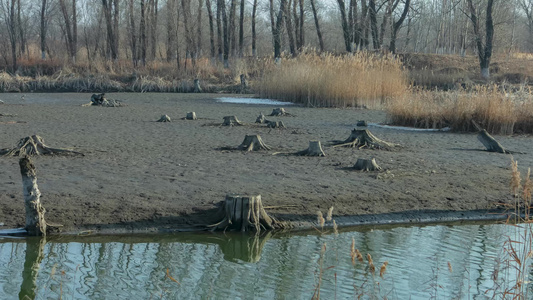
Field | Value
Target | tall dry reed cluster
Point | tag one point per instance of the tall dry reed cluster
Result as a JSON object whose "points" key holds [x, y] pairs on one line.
{"points": [[491, 107], [360, 80]]}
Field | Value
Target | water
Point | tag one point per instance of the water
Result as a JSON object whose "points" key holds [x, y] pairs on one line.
{"points": [[252, 101], [218, 266]]}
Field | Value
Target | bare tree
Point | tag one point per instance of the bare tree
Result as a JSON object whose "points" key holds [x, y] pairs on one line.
{"points": [[211, 29], [43, 27], [346, 30], [527, 8], [277, 29], [142, 29], [254, 33], [484, 50], [396, 26], [110, 7], [317, 26], [70, 19], [241, 29]]}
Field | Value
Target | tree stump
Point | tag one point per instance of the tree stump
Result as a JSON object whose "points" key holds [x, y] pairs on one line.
{"points": [[367, 165], [98, 99], [315, 149], [275, 124], [191, 116], [35, 222], [361, 123], [231, 121], [244, 84], [279, 112], [243, 213], [490, 143], [363, 138], [260, 119], [197, 88], [101, 100], [34, 145], [164, 118], [253, 143]]}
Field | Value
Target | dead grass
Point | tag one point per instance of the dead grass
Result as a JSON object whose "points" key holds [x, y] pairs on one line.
{"points": [[493, 108], [359, 80]]}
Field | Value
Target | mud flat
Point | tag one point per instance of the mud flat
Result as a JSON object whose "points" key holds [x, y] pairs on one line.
{"points": [[141, 175]]}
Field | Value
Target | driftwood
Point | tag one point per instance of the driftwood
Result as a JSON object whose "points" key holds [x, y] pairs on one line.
{"points": [[280, 112], [367, 165], [164, 118], [363, 138], [315, 149], [244, 213], [231, 121], [191, 116], [253, 143], [35, 145], [35, 222]]}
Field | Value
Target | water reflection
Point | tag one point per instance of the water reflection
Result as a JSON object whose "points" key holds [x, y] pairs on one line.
{"points": [[209, 266]]}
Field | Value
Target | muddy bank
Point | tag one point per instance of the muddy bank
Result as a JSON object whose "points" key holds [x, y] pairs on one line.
{"points": [[141, 175]]}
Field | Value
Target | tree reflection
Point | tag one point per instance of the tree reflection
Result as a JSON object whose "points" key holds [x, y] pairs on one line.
{"points": [[32, 263]]}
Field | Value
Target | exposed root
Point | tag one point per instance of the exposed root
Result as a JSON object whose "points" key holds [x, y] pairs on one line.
{"points": [[164, 118], [363, 138], [367, 165], [34, 145], [253, 143], [315, 149], [280, 112]]}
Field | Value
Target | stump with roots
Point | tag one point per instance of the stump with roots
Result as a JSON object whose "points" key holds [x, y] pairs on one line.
{"points": [[367, 165], [490, 143], [253, 143], [361, 123], [261, 119], [164, 118], [191, 116], [244, 213], [275, 124], [315, 149], [197, 88], [279, 112], [363, 138], [101, 100], [34, 145], [231, 121]]}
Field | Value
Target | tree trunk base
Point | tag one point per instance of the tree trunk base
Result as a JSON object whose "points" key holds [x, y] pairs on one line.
{"points": [[191, 116], [315, 149], [35, 222], [243, 213], [101, 100], [164, 118], [363, 138], [231, 121], [34, 145], [260, 119], [367, 165], [253, 143], [490, 143], [275, 124], [279, 112]]}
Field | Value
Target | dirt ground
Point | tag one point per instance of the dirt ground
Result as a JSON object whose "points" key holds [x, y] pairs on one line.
{"points": [[140, 175]]}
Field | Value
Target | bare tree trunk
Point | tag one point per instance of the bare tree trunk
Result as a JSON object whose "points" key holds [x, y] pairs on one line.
{"points": [[384, 22], [288, 25], [133, 37], [142, 29], [44, 27], [317, 26], [35, 222], [302, 30], [345, 28], [254, 34], [484, 52], [21, 32], [277, 30], [198, 48], [111, 36], [68, 30], [222, 7], [170, 29], [232, 28], [373, 23], [241, 29], [396, 26], [220, 41], [211, 29]]}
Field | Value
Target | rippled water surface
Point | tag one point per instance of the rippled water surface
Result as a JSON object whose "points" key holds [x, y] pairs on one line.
{"points": [[443, 262]]}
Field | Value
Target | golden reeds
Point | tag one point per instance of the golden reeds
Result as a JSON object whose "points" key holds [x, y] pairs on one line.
{"points": [[320, 219], [360, 80]]}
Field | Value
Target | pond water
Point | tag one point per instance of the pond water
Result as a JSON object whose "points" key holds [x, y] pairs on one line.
{"points": [[438, 262], [239, 100]]}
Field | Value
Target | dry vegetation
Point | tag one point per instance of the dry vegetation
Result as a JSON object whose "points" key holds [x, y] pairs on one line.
{"points": [[360, 80]]}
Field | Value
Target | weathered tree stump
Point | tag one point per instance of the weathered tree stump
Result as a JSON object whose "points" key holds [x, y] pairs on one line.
{"points": [[98, 99], [243, 213], [490, 143], [244, 84], [34, 145], [231, 121], [275, 124], [101, 100], [367, 165], [164, 118], [363, 138], [191, 116], [315, 149], [35, 222], [361, 123], [253, 143], [197, 88], [260, 119], [279, 112]]}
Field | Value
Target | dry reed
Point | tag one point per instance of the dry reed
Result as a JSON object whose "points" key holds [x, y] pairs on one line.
{"points": [[491, 107], [359, 80]]}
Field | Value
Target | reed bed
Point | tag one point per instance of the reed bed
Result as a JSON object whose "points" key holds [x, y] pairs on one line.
{"points": [[360, 80], [491, 107]]}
